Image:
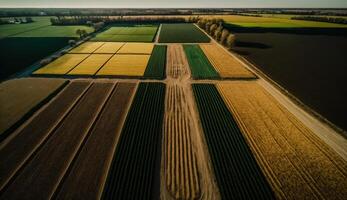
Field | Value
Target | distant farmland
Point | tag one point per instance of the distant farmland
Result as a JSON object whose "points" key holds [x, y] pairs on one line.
{"points": [[182, 33], [311, 67]]}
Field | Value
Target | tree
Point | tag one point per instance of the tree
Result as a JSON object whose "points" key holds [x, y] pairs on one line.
{"points": [[79, 32], [217, 34], [224, 36], [230, 40], [72, 43], [83, 33], [213, 28], [207, 26]]}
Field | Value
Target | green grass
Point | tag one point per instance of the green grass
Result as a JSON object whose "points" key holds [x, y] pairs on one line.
{"points": [[135, 166], [237, 172], [199, 64], [128, 33], [13, 29], [182, 33], [156, 64], [55, 31]]}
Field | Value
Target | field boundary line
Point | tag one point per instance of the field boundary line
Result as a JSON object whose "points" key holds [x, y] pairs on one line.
{"points": [[157, 35], [43, 140]]}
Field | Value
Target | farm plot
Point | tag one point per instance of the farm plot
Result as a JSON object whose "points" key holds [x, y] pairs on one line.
{"points": [[88, 173], [128, 33], [40, 176], [156, 64], [136, 48], [199, 64], [226, 65], [110, 47], [87, 47], [296, 162], [136, 163], [90, 65], [19, 98], [182, 33], [237, 172], [125, 65], [181, 167], [177, 64], [32, 135], [62, 65]]}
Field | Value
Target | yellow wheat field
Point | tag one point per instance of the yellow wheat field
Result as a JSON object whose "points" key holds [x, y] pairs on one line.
{"points": [[136, 48], [125, 65], [110, 47], [226, 65], [296, 162], [177, 64], [63, 64], [87, 47], [90, 65], [181, 171]]}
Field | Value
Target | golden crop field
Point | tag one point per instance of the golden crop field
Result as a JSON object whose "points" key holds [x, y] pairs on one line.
{"points": [[87, 47], [226, 65], [125, 65], [296, 162], [63, 64], [137, 48], [90, 65], [181, 170], [177, 64], [110, 47]]}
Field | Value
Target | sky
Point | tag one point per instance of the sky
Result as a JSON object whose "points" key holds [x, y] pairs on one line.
{"points": [[175, 3]]}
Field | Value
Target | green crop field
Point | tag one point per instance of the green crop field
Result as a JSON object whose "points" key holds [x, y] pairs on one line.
{"points": [[135, 159], [55, 31], [156, 65], [128, 33], [13, 29], [237, 172], [199, 64], [182, 33]]}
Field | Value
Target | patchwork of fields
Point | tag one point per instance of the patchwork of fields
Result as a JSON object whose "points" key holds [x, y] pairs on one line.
{"points": [[132, 119]]}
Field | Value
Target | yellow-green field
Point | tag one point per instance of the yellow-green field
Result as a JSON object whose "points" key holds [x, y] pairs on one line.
{"points": [[63, 64], [136, 48], [87, 47], [125, 65], [110, 47], [90, 65]]}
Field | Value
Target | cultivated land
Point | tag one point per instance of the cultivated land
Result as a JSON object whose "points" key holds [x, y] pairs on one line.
{"points": [[156, 64], [226, 65], [314, 72], [110, 47], [128, 33], [237, 172], [177, 64], [200, 66], [90, 65], [136, 162], [136, 48], [283, 144], [87, 47], [182, 33], [19, 98]]}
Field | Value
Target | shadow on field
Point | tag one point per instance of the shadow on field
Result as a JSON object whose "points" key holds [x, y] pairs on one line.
{"points": [[257, 45]]}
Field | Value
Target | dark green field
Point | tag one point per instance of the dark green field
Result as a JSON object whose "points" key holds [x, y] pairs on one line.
{"points": [[182, 33], [199, 64], [156, 64]]}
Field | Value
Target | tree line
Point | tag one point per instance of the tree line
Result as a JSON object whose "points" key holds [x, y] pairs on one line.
{"points": [[215, 28], [16, 20], [336, 20]]}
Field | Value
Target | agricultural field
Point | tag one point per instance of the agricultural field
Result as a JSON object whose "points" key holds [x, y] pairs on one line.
{"points": [[156, 64], [283, 144], [128, 33], [177, 63], [136, 48], [87, 47], [62, 65], [182, 33], [226, 65], [237, 172], [110, 47], [11, 30], [139, 147], [200, 66], [125, 65], [90, 65], [20, 98]]}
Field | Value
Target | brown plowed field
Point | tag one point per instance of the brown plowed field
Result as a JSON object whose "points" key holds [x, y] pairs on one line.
{"points": [[181, 171], [41, 175], [33, 134], [177, 64], [89, 171], [296, 162]]}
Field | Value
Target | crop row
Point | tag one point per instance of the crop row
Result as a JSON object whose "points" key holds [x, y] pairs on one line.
{"points": [[297, 163], [237, 172], [136, 163], [156, 64], [177, 64], [181, 33]]}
